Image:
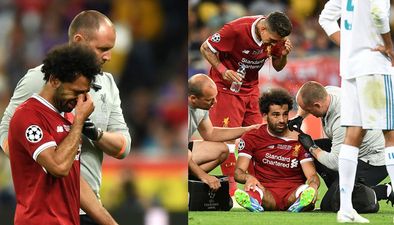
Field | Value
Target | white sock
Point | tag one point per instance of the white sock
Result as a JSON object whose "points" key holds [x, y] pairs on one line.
{"points": [[231, 148], [389, 189], [389, 159], [300, 189], [260, 192], [347, 166]]}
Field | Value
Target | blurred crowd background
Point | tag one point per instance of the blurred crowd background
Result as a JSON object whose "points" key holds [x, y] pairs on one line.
{"points": [[149, 64]]}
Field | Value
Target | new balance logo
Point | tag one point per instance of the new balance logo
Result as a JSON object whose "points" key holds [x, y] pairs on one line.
{"points": [[59, 129]]}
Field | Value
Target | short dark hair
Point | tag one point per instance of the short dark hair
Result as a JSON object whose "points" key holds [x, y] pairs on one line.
{"points": [[68, 62], [86, 22], [275, 96], [279, 23]]}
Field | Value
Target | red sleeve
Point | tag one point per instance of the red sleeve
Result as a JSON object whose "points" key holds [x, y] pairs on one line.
{"points": [[303, 154], [31, 132], [246, 146], [276, 50], [223, 40]]}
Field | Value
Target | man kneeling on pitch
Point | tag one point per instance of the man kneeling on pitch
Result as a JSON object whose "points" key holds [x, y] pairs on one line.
{"points": [[285, 176], [204, 155]]}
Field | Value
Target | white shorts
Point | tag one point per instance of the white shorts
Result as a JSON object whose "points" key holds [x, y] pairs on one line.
{"points": [[367, 102]]}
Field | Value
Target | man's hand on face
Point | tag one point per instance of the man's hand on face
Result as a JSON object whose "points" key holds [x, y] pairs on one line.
{"points": [[84, 107]]}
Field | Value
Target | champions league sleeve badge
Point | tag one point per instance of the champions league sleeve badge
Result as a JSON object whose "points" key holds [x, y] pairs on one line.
{"points": [[215, 37], [241, 145], [34, 133]]}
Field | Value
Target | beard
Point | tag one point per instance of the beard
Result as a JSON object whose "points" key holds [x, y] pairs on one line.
{"points": [[277, 129]]}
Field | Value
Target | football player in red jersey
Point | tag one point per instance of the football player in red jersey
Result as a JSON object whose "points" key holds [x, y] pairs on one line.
{"points": [[247, 42], [44, 145], [285, 176]]}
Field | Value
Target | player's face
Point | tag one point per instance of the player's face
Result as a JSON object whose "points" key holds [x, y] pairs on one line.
{"points": [[277, 118], [66, 94], [269, 37], [103, 42]]}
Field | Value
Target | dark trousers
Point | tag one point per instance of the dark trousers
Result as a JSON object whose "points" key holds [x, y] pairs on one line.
{"points": [[367, 174], [86, 220]]}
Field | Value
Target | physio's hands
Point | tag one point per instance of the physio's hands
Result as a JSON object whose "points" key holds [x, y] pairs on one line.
{"points": [[252, 127], [306, 141], [295, 124], [91, 131], [212, 181]]}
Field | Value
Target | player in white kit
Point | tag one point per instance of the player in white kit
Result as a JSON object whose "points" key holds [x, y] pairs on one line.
{"points": [[366, 68]]}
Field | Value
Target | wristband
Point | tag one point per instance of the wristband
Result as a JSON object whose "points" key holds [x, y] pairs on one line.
{"points": [[221, 68], [313, 148], [100, 135]]}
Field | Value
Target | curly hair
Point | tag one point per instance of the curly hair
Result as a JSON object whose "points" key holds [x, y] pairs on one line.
{"points": [[275, 96], [279, 23], [68, 62]]}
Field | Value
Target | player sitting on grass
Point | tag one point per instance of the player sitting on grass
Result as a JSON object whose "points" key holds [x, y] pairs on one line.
{"points": [[285, 177]]}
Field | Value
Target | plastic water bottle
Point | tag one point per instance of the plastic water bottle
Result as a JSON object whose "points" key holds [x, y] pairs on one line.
{"points": [[236, 86]]}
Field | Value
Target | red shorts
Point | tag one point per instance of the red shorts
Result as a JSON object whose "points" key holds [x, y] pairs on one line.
{"points": [[281, 194], [235, 110]]}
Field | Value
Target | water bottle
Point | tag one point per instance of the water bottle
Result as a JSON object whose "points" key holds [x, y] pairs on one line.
{"points": [[236, 86]]}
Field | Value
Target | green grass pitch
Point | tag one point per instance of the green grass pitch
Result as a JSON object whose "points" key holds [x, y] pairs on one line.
{"points": [[240, 216]]}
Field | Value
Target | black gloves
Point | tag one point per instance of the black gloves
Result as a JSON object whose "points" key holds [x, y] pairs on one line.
{"points": [[295, 124], [306, 141], [91, 131]]}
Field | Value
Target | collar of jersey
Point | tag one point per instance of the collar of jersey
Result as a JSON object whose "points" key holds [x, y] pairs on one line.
{"points": [[45, 102], [253, 31], [281, 137]]}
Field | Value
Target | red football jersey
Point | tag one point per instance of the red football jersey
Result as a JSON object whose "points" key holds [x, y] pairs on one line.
{"points": [[277, 160], [41, 197], [237, 43]]}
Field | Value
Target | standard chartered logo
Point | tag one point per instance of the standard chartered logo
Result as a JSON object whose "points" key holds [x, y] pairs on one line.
{"points": [[294, 163]]}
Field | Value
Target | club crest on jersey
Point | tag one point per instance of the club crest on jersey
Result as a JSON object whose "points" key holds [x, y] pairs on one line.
{"points": [[215, 37], [226, 121], [296, 150], [34, 134], [241, 145]]}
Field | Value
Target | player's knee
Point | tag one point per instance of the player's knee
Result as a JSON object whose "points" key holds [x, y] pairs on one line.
{"points": [[354, 136], [389, 138], [223, 153]]}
